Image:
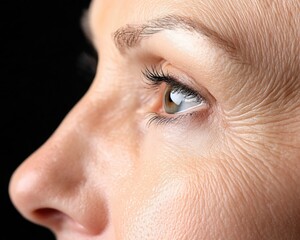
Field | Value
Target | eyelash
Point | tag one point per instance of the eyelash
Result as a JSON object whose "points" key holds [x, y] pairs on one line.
{"points": [[154, 77]]}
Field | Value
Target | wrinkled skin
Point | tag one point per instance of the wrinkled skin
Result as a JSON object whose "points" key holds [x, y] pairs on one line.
{"points": [[228, 170]]}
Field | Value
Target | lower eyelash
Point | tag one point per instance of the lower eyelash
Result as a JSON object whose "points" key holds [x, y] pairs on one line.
{"points": [[155, 118]]}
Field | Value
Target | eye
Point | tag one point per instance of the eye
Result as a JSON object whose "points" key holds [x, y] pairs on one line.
{"points": [[178, 99]]}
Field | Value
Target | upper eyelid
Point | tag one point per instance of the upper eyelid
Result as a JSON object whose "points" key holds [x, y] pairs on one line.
{"points": [[159, 76]]}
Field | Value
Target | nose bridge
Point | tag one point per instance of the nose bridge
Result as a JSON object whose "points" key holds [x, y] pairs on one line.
{"points": [[53, 181]]}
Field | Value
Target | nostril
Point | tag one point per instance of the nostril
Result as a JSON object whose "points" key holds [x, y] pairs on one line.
{"points": [[46, 213], [49, 217], [57, 220]]}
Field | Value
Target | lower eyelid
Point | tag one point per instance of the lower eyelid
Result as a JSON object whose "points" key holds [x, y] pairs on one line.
{"points": [[197, 115], [157, 119]]}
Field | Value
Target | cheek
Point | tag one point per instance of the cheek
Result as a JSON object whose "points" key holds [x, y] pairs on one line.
{"points": [[161, 198], [171, 193], [166, 209]]}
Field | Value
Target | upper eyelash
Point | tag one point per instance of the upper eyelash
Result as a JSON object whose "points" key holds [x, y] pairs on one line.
{"points": [[155, 77]]}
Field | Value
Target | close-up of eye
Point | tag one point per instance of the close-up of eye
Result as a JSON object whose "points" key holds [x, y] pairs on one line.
{"points": [[176, 99]]}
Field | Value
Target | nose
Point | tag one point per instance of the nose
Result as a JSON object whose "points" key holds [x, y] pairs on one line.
{"points": [[53, 186]]}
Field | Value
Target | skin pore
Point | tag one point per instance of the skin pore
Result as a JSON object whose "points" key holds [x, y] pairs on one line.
{"points": [[225, 165]]}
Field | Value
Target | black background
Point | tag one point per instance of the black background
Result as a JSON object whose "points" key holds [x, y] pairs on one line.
{"points": [[41, 80]]}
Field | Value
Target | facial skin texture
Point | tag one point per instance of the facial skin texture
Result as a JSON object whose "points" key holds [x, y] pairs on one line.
{"points": [[228, 170]]}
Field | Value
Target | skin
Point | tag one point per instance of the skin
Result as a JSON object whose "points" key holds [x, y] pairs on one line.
{"points": [[229, 170]]}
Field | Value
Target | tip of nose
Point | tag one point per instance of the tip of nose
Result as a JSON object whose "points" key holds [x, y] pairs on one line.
{"points": [[34, 201], [19, 191], [45, 198], [19, 185], [30, 200]]}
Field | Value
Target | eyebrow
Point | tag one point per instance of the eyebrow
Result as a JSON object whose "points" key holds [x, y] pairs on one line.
{"points": [[131, 35]]}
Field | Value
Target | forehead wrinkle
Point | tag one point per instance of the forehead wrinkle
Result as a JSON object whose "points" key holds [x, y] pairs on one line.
{"points": [[131, 35]]}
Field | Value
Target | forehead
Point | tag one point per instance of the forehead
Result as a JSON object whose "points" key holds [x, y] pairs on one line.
{"points": [[209, 10], [242, 20], [259, 29]]}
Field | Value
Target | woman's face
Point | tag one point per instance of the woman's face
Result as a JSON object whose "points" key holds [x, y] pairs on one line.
{"points": [[190, 129]]}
